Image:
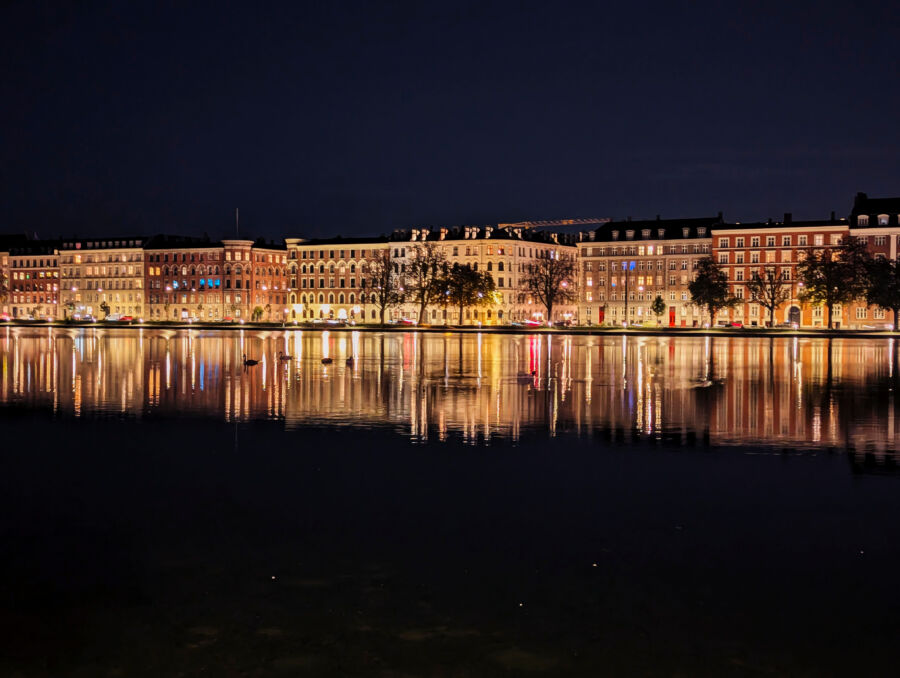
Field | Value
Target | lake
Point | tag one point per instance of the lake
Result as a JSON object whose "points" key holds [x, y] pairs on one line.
{"points": [[446, 504]]}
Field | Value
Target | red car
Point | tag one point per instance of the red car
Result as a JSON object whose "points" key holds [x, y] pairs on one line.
{"points": [[126, 319]]}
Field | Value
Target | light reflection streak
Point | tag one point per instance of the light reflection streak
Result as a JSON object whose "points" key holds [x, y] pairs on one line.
{"points": [[438, 385]]}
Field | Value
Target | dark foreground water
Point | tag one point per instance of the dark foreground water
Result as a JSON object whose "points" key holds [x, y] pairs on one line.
{"points": [[641, 507]]}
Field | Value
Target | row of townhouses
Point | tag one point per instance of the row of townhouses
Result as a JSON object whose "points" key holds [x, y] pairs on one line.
{"points": [[622, 267]]}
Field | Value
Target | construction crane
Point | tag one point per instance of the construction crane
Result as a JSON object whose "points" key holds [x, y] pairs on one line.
{"points": [[551, 223]]}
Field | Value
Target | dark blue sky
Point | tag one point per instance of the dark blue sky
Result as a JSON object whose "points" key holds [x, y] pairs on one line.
{"points": [[322, 118]]}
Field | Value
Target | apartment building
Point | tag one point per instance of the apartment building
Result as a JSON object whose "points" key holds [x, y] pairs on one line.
{"points": [[505, 253], [625, 265], [101, 272], [745, 250], [327, 278], [33, 280]]}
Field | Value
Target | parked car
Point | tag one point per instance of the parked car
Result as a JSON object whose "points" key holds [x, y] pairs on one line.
{"points": [[126, 319], [113, 317]]}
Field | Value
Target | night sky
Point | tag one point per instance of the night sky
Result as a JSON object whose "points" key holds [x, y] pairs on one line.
{"points": [[325, 118]]}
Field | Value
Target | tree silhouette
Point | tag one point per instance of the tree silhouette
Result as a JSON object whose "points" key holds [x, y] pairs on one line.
{"points": [[709, 289], [834, 275], [550, 281], [769, 290]]}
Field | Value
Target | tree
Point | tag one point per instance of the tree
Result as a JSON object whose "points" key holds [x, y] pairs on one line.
{"points": [[883, 286], [835, 275], [257, 313], [426, 268], [658, 307], [385, 282], [105, 308], [464, 287], [550, 281], [709, 288], [769, 290], [269, 312]]}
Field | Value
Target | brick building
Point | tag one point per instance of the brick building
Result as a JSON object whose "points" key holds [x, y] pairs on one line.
{"points": [[34, 280], [742, 250]]}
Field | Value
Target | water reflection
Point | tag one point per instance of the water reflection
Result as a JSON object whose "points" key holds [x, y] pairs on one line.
{"points": [[728, 390]]}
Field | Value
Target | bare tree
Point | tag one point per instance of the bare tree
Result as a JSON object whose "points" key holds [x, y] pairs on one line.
{"points": [[769, 290], [424, 272], [550, 281], [385, 282]]}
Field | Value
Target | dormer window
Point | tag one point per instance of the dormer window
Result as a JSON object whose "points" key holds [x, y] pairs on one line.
{"points": [[645, 233], [701, 231], [660, 233], [882, 219], [862, 220], [685, 232], [629, 235], [615, 235]]}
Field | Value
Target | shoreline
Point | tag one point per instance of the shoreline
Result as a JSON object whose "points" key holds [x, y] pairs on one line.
{"points": [[493, 329]]}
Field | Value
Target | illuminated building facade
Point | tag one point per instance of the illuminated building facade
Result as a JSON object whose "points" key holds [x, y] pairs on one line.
{"points": [[625, 265], [99, 271], [742, 250], [184, 279], [327, 278], [503, 252], [34, 280]]}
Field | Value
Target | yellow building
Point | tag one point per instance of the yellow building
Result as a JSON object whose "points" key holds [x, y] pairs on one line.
{"points": [[98, 272]]}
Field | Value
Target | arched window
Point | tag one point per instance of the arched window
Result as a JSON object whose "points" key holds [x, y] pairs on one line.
{"points": [[238, 270], [352, 298], [321, 268], [331, 298], [321, 298], [490, 266], [341, 298], [293, 298], [362, 298], [500, 266]]}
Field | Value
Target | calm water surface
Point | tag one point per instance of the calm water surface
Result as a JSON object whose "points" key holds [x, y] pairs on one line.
{"points": [[791, 392], [446, 505]]}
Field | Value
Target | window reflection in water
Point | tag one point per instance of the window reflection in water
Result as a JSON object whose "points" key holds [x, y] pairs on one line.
{"points": [[784, 392]]}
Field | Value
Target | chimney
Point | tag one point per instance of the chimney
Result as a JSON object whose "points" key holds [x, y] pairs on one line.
{"points": [[443, 233], [788, 217]]}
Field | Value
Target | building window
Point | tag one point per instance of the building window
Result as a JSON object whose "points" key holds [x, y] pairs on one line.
{"points": [[723, 242], [785, 241], [861, 312], [723, 257], [818, 240], [882, 219], [802, 240], [770, 241], [880, 239], [862, 220]]}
